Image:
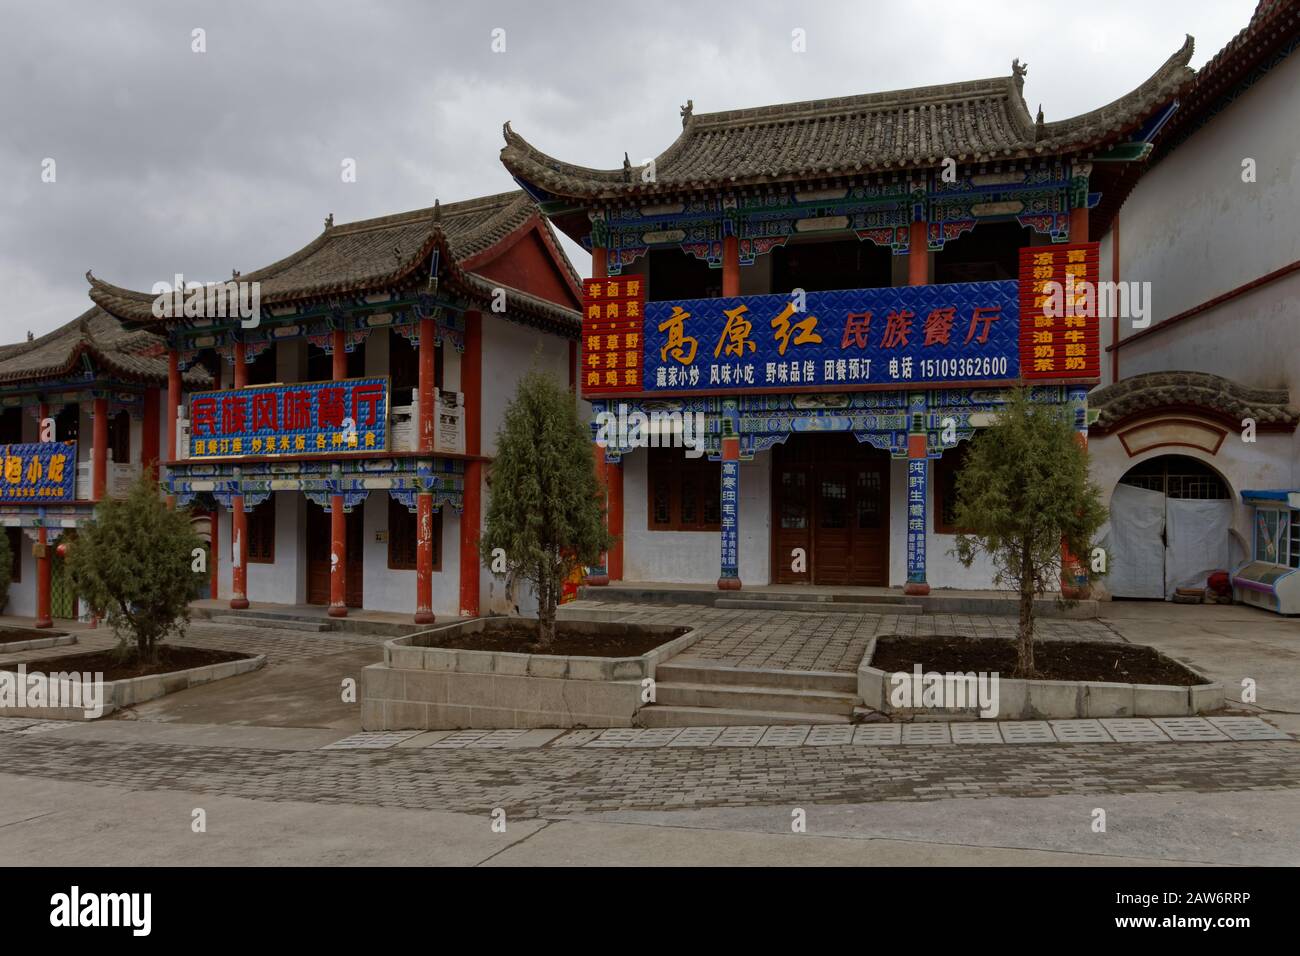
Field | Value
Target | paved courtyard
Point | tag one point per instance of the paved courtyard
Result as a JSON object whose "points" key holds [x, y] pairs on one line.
{"points": [[276, 759]]}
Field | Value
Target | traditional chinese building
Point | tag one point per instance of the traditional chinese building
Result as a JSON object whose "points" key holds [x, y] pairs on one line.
{"points": [[79, 419], [843, 289], [1196, 445], [343, 441]]}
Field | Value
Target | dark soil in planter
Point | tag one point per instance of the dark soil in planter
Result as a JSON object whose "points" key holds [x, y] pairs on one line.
{"points": [[12, 635], [169, 659], [519, 637], [1053, 660]]}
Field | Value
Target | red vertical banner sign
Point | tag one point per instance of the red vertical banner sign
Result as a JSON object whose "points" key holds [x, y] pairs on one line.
{"points": [[613, 343], [1060, 335]]}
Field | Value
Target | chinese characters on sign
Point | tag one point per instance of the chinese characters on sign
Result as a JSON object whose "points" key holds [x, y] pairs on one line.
{"points": [[890, 337], [613, 314], [730, 502], [44, 471], [916, 482], [308, 418], [1060, 337]]}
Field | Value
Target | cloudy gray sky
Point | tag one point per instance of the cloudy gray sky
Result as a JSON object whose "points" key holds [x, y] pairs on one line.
{"points": [[167, 160]]}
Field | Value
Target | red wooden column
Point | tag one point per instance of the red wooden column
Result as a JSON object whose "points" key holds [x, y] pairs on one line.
{"points": [[149, 435], [338, 519], [918, 255], [99, 450], [238, 516], [604, 472], [423, 499], [730, 266], [471, 515], [173, 411], [43, 617]]}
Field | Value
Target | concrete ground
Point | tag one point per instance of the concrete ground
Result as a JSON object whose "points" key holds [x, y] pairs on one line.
{"points": [[247, 752]]}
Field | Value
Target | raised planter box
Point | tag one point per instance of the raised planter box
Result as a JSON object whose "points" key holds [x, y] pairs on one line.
{"points": [[421, 686], [136, 690], [33, 639], [1052, 699]]}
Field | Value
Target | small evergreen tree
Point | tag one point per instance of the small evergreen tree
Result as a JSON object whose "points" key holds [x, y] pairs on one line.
{"points": [[7, 559], [1022, 493], [546, 513], [134, 565]]}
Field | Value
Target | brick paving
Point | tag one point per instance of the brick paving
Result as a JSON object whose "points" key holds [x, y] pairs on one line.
{"points": [[803, 641], [561, 780]]}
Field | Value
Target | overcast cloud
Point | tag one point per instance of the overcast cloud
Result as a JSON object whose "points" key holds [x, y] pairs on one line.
{"points": [[174, 161]]}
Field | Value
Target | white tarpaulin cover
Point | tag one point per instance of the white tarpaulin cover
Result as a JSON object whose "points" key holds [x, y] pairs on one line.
{"points": [[1197, 533], [1136, 551]]}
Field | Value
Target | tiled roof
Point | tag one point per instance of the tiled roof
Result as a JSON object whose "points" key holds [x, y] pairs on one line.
{"points": [[135, 355], [974, 121], [1273, 26], [375, 253], [1154, 391]]}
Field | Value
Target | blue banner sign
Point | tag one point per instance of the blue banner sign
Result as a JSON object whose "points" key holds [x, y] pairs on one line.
{"points": [[892, 337], [39, 472], [307, 418]]}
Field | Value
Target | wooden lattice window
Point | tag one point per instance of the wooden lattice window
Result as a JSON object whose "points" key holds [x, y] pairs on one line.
{"points": [[261, 533], [685, 493]]}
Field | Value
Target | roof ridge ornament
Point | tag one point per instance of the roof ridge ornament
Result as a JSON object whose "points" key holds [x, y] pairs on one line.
{"points": [[1039, 125], [437, 207], [329, 221], [627, 168], [1018, 71], [687, 111]]}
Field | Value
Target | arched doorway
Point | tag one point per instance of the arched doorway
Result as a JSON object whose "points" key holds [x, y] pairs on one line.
{"points": [[1170, 526]]}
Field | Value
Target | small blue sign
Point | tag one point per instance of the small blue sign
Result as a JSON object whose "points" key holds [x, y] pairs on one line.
{"points": [[39, 471]]}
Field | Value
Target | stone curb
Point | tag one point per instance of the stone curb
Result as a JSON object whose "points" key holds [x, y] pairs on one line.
{"points": [[1050, 699], [136, 690], [37, 643]]}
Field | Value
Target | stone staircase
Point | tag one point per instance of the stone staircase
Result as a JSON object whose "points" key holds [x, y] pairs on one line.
{"points": [[821, 601], [692, 694]]}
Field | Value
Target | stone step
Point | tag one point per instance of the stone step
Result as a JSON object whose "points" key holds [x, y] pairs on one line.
{"points": [[686, 672], [281, 623], [823, 607], [663, 715], [740, 697], [825, 597]]}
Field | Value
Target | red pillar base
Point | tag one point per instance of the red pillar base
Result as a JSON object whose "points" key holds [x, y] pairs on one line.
{"points": [[916, 588], [239, 603], [424, 617], [729, 584], [336, 611], [599, 580]]}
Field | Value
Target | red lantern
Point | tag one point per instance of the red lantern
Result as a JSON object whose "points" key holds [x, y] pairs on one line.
{"points": [[61, 550]]}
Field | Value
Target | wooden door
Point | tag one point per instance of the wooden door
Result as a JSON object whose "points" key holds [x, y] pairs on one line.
{"points": [[318, 556], [830, 496], [791, 519]]}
